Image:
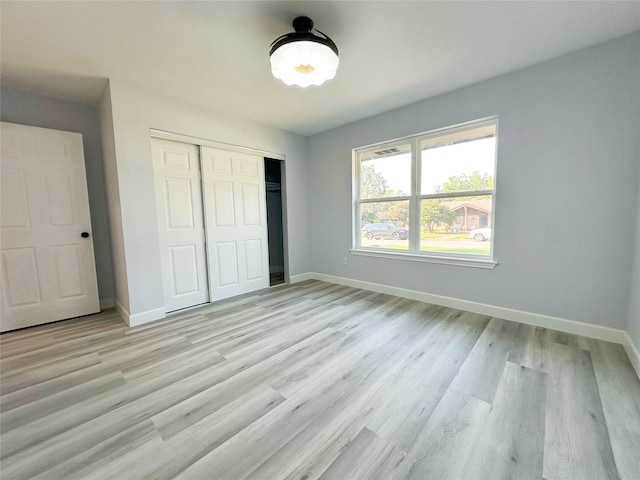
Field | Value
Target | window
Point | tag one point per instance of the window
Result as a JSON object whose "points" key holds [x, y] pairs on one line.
{"points": [[429, 196]]}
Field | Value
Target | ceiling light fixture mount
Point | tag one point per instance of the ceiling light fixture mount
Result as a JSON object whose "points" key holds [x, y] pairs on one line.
{"points": [[302, 57]]}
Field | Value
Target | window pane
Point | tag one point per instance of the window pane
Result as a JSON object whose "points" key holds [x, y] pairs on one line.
{"points": [[386, 172], [459, 166], [460, 225], [385, 225]]}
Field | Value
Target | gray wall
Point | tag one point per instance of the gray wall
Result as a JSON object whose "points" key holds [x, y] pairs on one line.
{"points": [[113, 200], [567, 187], [633, 320], [39, 111]]}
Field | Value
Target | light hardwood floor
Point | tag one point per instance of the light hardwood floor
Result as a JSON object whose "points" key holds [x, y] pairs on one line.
{"points": [[315, 380]]}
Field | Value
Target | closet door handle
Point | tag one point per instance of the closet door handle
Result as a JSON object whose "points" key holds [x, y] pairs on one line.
{"points": [[84, 234]]}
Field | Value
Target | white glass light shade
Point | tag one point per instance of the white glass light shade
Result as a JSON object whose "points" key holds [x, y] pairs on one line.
{"points": [[304, 63]]}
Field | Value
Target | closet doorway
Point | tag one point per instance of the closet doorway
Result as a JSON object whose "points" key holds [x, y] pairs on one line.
{"points": [[275, 227], [214, 221]]}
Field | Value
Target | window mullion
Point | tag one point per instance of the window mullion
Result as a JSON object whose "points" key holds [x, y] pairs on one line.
{"points": [[355, 200], [414, 207]]}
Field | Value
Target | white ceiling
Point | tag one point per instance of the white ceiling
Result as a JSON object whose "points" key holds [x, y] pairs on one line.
{"points": [[215, 54]]}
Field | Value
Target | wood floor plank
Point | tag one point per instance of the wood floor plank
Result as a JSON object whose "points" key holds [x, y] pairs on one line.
{"points": [[89, 462], [511, 444], [530, 347], [42, 390], [309, 453], [361, 458], [619, 389], [576, 441], [578, 341], [165, 460], [296, 413], [224, 423], [22, 344], [196, 355], [51, 404], [481, 372], [326, 365], [313, 379], [618, 384], [407, 407], [103, 414], [19, 380], [39, 355], [188, 412], [148, 353], [226, 324], [451, 435], [353, 297]]}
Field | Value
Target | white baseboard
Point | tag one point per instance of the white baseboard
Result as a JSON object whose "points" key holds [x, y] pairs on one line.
{"points": [[303, 277], [122, 311], [632, 352], [140, 318], [146, 317], [107, 303], [535, 319]]}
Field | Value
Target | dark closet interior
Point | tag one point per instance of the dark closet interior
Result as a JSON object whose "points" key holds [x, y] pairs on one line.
{"points": [[273, 179]]}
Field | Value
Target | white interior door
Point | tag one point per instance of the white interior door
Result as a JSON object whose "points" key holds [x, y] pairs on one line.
{"points": [[236, 219], [180, 224], [48, 267]]}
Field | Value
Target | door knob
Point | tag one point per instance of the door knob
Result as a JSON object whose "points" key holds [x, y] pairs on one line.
{"points": [[84, 234]]}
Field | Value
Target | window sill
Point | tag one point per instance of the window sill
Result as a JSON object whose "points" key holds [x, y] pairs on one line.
{"points": [[473, 262]]}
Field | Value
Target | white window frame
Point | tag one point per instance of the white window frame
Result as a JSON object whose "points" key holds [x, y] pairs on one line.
{"points": [[414, 253]]}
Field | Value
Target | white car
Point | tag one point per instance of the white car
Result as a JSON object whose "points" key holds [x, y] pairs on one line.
{"points": [[480, 234]]}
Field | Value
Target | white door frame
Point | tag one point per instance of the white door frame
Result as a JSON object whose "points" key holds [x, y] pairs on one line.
{"points": [[178, 137]]}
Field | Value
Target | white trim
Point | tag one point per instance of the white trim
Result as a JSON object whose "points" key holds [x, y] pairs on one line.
{"points": [[535, 319], [632, 352], [122, 311], [416, 257], [358, 156], [140, 318], [146, 317], [302, 277], [107, 303], [178, 137]]}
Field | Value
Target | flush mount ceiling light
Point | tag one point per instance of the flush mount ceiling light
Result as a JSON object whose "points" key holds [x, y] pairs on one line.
{"points": [[304, 58]]}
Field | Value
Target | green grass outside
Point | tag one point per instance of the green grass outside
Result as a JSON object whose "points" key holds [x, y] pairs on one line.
{"points": [[444, 236], [468, 251]]}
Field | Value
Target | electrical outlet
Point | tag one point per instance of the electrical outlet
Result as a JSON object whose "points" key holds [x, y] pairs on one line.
{"points": [[344, 260]]}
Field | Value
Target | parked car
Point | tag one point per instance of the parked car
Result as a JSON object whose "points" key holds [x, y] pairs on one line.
{"points": [[480, 234], [383, 230]]}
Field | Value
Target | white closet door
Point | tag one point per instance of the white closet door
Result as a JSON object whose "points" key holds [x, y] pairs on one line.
{"points": [[48, 267], [180, 224], [235, 212]]}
